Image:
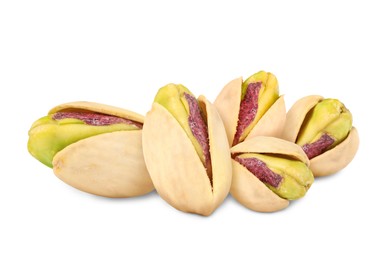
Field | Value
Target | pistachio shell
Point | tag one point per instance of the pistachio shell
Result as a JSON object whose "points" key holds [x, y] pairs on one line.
{"points": [[176, 169], [100, 108], [337, 158], [109, 165], [228, 105], [296, 115], [47, 135], [332, 160], [247, 188], [252, 193]]}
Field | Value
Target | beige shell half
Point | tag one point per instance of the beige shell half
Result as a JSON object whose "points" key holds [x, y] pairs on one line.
{"points": [[100, 108], [247, 188], [176, 169], [332, 160], [228, 105], [297, 114], [109, 165]]}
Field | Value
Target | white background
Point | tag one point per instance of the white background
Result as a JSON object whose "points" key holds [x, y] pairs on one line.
{"points": [[120, 53]]}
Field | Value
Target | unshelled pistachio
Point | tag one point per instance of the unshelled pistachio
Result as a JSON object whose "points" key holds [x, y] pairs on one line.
{"points": [[324, 130], [186, 151], [93, 147], [268, 172]]}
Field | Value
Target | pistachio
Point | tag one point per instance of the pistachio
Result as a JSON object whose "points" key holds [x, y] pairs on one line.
{"points": [[183, 106], [93, 147], [251, 108], [323, 128], [186, 151], [268, 172], [71, 122]]}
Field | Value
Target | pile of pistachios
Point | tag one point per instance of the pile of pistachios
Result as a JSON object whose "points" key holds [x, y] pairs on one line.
{"points": [[194, 152]]}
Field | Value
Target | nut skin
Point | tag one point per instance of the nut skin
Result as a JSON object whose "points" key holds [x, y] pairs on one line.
{"points": [[269, 120], [329, 121], [177, 172], [104, 163], [254, 194]]}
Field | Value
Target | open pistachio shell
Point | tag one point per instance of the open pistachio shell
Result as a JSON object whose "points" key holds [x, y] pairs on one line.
{"points": [[109, 165], [247, 188], [68, 123], [335, 158], [99, 159], [176, 170], [228, 105]]}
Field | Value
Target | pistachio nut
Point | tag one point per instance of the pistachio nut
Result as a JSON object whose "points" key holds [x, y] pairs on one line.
{"points": [[186, 151], [251, 108], [93, 147], [268, 172], [323, 128]]}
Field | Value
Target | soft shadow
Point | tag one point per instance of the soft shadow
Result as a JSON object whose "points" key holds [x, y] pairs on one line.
{"points": [[151, 195]]}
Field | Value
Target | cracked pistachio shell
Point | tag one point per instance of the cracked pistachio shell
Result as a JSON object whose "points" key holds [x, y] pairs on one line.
{"points": [[228, 105], [47, 136], [246, 188], [107, 164], [177, 172], [335, 158]]}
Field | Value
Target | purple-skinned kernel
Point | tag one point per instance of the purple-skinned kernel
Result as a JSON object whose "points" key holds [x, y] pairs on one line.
{"points": [[318, 147], [199, 129], [95, 119], [261, 171], [248, 109]]}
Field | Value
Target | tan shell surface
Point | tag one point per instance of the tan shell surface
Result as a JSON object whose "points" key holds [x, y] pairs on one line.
{"points": [[297, 114], [109, 165], [99, 108], [337, 158], [228, 105], [175, 168], [271, 145], [252, 193], [272, 122]]}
